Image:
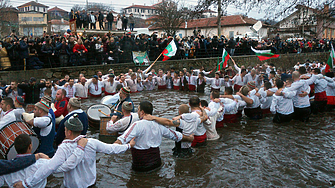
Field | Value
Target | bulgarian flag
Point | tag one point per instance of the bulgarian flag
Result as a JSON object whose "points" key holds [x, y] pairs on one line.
{"points": [[331, 59], [224, 62], [264, 54], [169, 51]]}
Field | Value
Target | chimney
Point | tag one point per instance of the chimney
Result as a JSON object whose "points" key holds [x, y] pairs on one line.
{"points": [[132, 4]]}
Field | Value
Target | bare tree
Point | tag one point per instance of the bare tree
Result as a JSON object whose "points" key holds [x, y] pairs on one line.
{"points": [[77, 7], [7, 19], [170, 17], [273, 9], [99, 7]]}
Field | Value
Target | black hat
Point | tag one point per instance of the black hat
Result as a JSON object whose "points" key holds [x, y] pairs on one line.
{"points": [[32, 79]]}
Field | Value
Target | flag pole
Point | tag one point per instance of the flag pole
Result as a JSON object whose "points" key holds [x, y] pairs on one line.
{"points": [[153, 63]]}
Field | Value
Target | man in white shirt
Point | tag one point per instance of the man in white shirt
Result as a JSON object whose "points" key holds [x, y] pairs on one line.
{"points": [[95, 87], [239, 80], [69, 88], [84, 174], [216, 82], [115, 125], [282, 106], [81, 88], [8, 108], [148, 136], [252, 76], [110, 85], [131, 83], [23, 147], [18, 103], [149, 83], [161, 79]]}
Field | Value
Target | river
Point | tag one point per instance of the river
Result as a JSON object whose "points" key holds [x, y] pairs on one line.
{"points": [[248, 154]]}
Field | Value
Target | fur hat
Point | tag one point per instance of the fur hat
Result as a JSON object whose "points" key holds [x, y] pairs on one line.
{"points": [[127, 105], [75, 102], [74, 124], [42, 105]]}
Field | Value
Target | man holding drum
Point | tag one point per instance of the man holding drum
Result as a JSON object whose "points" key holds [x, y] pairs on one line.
{"points": [[44, 127]]}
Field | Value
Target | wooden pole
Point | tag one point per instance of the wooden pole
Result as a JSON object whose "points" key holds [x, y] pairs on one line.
{"points": [[25, 63], [153, 63], [232, 60], [103, 112]]}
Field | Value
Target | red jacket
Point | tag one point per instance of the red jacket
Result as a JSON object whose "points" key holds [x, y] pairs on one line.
{"points": [[78, 47], [61, 108]]}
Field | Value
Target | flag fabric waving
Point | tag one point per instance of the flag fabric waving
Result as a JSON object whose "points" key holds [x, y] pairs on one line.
{"points": [[224, 62], [331, 59], [264, 54], [170, 50]]}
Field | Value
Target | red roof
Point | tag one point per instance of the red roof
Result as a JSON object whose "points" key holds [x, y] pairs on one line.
{"points": [[33, 3], [59, 22], [56, 9]]}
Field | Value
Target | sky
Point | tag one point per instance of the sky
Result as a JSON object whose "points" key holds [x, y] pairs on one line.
{"points": [[118, 5]]}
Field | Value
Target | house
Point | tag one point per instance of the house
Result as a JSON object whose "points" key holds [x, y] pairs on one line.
{"points": [[32, 18], [307, 22], [8, 20], [230, 26], [141, 11], [209, 14], [57, 13], [58, 26]]}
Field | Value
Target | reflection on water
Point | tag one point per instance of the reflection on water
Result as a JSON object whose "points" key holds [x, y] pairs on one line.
{"points": [[255, 154]]}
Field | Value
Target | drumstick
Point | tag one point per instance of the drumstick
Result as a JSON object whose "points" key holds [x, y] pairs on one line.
{"points": [[102, 112]]}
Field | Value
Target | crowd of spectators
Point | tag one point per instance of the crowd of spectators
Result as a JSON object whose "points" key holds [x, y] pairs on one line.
{"points": [[74, 50]]}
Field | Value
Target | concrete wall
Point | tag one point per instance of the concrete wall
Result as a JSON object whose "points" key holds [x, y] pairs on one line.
{"points": [[284, 61]]}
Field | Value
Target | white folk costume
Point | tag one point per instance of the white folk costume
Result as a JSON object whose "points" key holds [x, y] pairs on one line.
{"points": [[84, 174], [132, 84], [95, 90], [230, 114], [8, 117], [238, 82], [123, 124], [139, 86], [18, 113], [215, 83], [149, 134], [70, 91], [176, 83], [149, 85], [161, 81], [282, 106], [110, 87], [81, 90], [330, 91], [215, 111], [248, 77]]}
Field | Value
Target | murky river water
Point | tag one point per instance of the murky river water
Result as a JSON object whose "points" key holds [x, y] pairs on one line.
{"points": [[248, 154]]}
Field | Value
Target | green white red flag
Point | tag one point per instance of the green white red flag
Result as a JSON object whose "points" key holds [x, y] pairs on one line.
{"points": [[170, 50], [264, 54], [224, 62], [331, 59]]}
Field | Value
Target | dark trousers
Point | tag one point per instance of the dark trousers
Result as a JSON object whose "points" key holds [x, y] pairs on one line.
{"points": [[92, 26], [101, 25], [318, 106], [124, 26], [302, 114], [282, 118]]}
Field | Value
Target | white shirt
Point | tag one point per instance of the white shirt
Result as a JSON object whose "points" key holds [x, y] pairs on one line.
{"points": [[44, 123], [95, 89], [189, 123], [122, 124], [265, 99], [197, 71], [149, 85], [215, 83], [283, 104], [249, 78], [148, 134], [192, 80], [230, 106], [81, 90], [132, 84], [18, 113], [139, 86], [299, 86], [176, 82], [70, 91], [9, 117], [84, 173], [201, 130], [161, 81], [330, 91], [320, 85], [110, 87], [238, 80]]}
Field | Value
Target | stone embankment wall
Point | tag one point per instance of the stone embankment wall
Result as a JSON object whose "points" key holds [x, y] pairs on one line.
{"points": [[284, 61]]}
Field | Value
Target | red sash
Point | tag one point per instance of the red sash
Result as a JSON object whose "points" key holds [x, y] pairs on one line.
{"points": [[237, 87], [330, 100], [199, 139], [220, 124], [162, 87], [320, 96], [176, 87], [229, 118], [191, 87], [106, 93], [266, 111], [90, 94]]}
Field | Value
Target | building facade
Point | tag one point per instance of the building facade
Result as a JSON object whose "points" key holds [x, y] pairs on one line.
{"points": [[57, 13], [141, 11], [32, 19]]}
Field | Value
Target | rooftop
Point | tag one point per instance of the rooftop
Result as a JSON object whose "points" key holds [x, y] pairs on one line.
{"points": [[32, 3]]}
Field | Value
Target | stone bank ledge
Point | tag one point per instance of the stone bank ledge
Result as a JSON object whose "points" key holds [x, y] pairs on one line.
{"points": [[284, 61]]}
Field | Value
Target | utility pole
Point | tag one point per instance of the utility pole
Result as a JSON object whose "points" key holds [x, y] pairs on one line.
{"points": [[219, 18], [86, 5]]}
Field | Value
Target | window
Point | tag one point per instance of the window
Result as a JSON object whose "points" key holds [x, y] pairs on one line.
{"points": [[38, 19], [38, 31], [26, 19]]}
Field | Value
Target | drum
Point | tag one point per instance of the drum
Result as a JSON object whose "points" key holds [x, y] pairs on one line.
{"points": [[8, 135], [94, 114], [103, 123], [30, 108]]}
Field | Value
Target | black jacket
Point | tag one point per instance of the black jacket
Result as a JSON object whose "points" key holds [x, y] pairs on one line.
{"points": [[32, 92]]}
